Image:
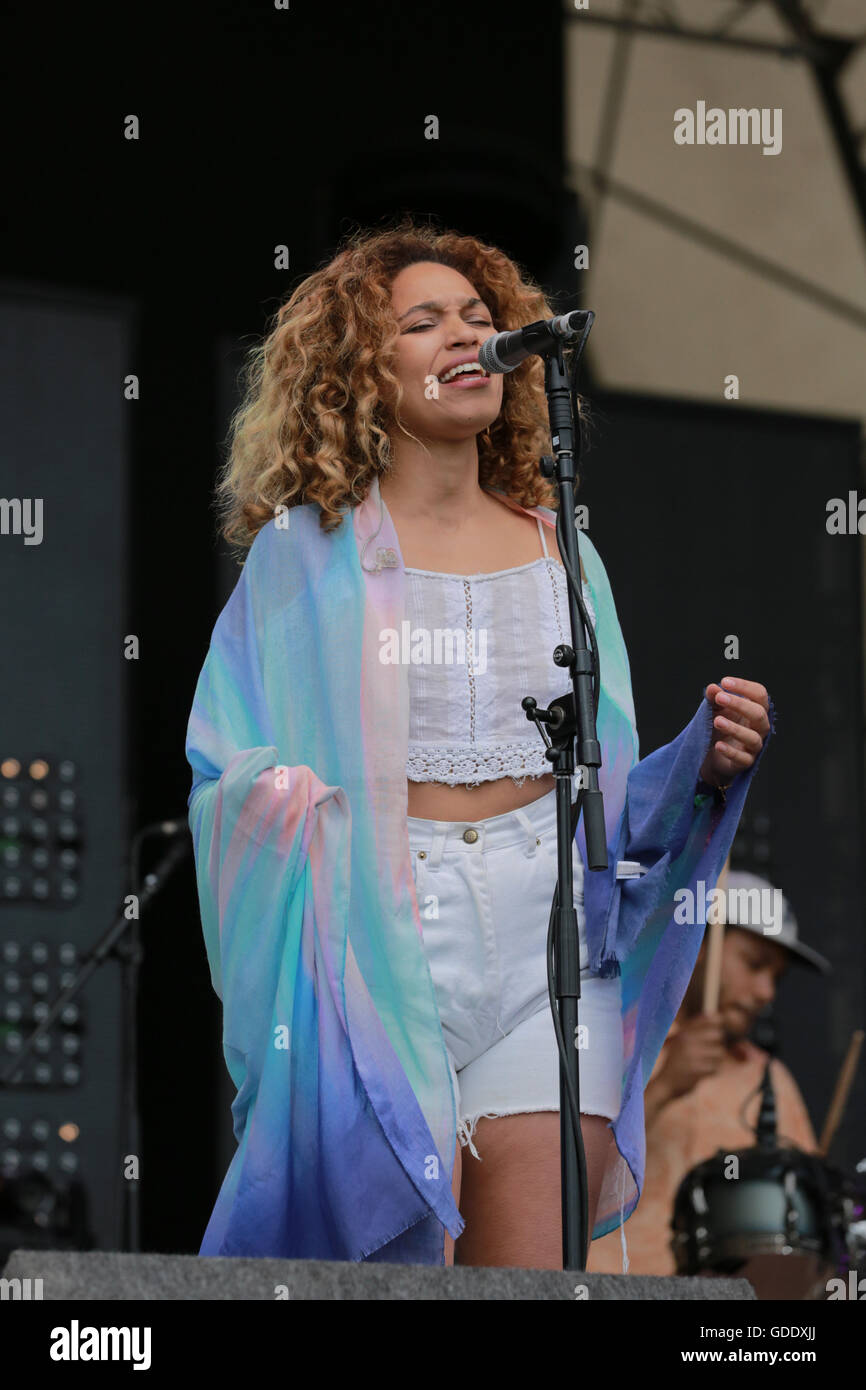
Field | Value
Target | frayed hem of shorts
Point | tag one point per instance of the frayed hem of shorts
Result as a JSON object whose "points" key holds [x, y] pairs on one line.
{"points": [[466, 1127]]}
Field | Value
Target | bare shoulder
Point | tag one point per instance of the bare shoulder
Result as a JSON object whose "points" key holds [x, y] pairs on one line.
{"points": [[511, 517], [550, 535]]}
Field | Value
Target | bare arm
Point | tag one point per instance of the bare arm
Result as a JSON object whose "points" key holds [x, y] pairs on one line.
{"points": [[656, 1096]]}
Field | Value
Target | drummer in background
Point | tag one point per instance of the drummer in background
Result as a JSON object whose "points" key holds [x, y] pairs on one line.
{"points": [[703, 1092]]}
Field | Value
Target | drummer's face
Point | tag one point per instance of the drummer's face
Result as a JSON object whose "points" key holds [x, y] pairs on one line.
{"points": [[751, 968]]}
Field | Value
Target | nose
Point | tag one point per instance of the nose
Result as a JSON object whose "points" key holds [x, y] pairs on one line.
{"points": [[457, 330], [765, 989]]}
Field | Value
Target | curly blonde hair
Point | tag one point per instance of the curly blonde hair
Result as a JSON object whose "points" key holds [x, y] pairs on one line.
{"points": [[313, 422]]}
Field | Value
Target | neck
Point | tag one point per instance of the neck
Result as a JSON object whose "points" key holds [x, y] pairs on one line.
{"points": [[439, 483]]}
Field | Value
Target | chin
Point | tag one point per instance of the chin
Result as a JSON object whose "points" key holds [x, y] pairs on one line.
{"points": [[737, 1027]]}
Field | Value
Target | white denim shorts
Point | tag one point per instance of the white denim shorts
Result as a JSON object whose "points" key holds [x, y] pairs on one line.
{"points": [[484, 891]]}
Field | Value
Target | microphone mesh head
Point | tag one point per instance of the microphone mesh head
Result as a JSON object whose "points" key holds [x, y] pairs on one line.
{"points": [[488, 358]]}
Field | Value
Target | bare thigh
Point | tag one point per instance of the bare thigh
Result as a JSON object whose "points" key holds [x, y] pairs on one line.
{"points": [[511, 1200]]}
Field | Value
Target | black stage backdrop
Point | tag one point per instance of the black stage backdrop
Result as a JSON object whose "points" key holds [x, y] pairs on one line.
{"points": [[712, 522]]}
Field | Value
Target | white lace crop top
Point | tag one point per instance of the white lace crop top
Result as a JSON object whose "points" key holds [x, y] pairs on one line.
{"points": [[479, 644]]}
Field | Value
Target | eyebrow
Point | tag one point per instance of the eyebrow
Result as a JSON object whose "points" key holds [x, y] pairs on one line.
{"points": [[468, 303]]}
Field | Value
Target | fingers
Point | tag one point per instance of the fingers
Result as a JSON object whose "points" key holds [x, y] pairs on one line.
{"points": [[740, 723], [738, 707], [745, 703], [738, 757], [739, 738], [750, 689]]}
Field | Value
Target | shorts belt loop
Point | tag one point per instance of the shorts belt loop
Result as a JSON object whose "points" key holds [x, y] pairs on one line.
{"points": [[437, 845], [531, 833]]}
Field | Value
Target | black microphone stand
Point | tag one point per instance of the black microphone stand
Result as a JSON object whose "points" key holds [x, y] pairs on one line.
{"points": [[570, 716]]}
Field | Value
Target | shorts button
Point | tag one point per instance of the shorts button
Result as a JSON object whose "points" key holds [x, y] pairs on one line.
{"points": [[470, 836]]}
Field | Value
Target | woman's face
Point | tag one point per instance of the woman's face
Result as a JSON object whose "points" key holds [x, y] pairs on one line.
{"points": [[442, 321]]}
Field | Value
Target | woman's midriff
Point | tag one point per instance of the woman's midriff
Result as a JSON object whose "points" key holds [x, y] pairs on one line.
{"points": [[435, 801]]}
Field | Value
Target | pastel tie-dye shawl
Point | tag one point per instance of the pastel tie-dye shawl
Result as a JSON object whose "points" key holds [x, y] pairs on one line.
{"points": [[297, 738]]}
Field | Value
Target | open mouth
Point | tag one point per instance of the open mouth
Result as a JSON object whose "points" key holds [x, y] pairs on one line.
{"points": [[467, 374]]}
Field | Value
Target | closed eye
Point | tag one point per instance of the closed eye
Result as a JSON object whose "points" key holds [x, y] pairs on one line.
{"points": [[486, 322]]}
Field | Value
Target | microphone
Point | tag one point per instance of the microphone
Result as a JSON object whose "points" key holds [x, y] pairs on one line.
{"points": [[504, 351]]}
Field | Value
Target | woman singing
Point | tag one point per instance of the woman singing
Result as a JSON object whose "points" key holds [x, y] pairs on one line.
{"points": [[374, 818]]}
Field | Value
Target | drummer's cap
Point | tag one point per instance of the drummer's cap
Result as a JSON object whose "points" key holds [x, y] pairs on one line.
{"points": [[753, 904]]}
